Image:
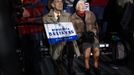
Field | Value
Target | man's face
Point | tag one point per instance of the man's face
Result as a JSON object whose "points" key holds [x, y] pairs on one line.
{"points": [[57, 5]]}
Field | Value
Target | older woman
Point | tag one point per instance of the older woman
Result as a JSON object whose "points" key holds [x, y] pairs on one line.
{"points": [[84, 22]]}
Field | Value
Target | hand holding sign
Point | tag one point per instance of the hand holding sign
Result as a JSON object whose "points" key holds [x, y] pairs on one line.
{"points": [[60, 32]]}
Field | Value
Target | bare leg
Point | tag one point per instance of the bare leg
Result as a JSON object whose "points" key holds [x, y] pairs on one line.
{"points": [[96, 55], [87, 57]]}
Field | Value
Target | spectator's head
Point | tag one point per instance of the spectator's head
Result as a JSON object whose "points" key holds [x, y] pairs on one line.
{"points": [[80, 6], [56, 4]]}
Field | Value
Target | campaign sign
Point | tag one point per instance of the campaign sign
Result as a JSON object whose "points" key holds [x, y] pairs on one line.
{"points": [[87, 7], [60, 32]]}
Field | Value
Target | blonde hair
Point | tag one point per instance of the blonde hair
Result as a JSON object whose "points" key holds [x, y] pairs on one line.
{"points": [[79, 2]]}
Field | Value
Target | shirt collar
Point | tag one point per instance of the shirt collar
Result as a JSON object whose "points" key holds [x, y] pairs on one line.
{"points": [[55, 15]]}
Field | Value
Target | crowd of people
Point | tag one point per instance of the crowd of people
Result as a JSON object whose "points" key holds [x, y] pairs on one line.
{"points": [[28, 18], [38, 12]]}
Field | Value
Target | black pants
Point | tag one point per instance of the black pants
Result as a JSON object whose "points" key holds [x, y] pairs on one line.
{"points": [[30, 47]]}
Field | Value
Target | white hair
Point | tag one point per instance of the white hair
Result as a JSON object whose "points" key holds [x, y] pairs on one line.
{"points": [[79, 2]]}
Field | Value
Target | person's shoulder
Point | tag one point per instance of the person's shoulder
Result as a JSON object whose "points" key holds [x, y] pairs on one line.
{"points": [[44, 17], [47, 15], [75, 16], [66, 14], [89, 12]]}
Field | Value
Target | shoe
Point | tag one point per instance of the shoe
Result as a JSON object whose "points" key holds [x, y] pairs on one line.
{"points": [[87, 72], [97, 71]]}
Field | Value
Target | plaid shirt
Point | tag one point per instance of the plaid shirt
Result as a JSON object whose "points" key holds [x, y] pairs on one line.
{"points": [[33, 23], [36, 10]]}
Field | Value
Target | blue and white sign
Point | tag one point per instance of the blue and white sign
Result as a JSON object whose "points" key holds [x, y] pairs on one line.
{"points": [[60, 32]]}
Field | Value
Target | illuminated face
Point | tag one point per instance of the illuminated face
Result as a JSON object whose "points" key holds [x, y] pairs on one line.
{"points": [[80, 6], [57, 5]]}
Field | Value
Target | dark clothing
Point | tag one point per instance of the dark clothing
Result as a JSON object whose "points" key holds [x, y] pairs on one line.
{"points": [[8, 58], [29, 29]]}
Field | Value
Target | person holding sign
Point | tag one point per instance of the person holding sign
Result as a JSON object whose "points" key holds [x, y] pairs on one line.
{"points": [[87, 29], [54, 17]]}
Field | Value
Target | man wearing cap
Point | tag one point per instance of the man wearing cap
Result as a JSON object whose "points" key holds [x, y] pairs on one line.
{"points": [[56, 15]]}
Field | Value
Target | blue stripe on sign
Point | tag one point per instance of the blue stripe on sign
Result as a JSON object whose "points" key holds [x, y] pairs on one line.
{"points": [[53, 41]]}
